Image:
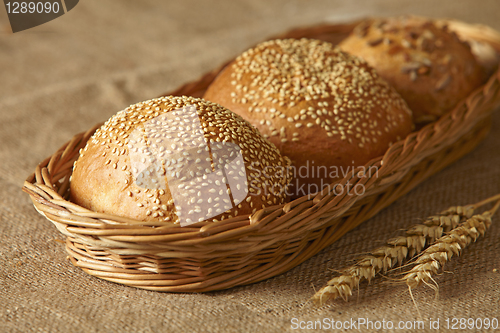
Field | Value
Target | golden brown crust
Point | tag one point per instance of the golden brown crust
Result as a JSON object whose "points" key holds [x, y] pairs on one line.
{"points": [[130, 165], [428, 65], [326, 110]]}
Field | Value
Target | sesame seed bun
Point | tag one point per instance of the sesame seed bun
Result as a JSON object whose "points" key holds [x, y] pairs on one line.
{"points": [[325, 109], [428, 65], [178, 159]]}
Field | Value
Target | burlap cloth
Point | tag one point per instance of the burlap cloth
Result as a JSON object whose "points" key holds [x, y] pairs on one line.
{"points": [[63, 77]]}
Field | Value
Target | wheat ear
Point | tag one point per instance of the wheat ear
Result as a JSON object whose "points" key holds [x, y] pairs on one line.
{"points": [[435, 256], [397, 249], [394, 252]]}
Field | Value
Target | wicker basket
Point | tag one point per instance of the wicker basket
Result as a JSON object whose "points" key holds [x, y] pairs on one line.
{"points": [[209, 256]]}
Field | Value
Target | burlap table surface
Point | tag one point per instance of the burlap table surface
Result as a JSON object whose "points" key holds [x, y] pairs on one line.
{"points": [[63, 77]]}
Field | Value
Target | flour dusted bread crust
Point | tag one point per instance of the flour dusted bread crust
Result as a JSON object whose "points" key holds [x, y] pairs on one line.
{"points": [[325, 109], [427, 64], [178, 157]]}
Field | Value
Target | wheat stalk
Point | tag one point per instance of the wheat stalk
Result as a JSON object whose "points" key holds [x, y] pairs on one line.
{"points": [[396, 251], [435, 256]]}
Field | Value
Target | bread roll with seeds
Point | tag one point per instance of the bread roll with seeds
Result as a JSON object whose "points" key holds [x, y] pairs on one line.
{"points": [[178, 159], [325, 109], [428, 65]]}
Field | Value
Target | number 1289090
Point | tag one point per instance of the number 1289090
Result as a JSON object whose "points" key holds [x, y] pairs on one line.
{"points": [[32, 7]]}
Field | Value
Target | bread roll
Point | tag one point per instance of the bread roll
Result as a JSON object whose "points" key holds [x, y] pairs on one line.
{"points": [[178, 159], [325, 109], [428, 65]]}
